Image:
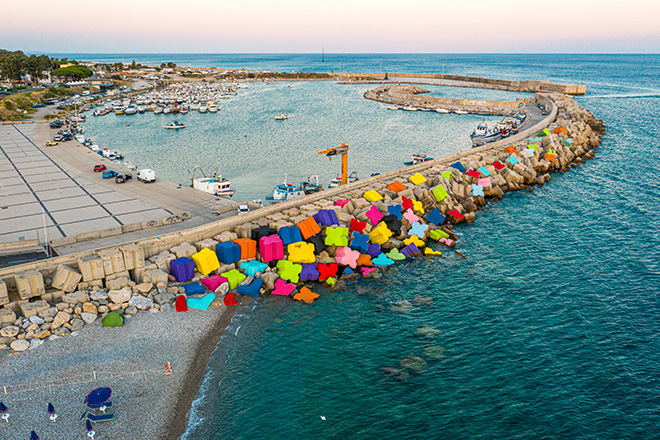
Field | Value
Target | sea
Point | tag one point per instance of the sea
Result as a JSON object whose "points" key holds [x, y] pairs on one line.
{"points": [[549, 328]]}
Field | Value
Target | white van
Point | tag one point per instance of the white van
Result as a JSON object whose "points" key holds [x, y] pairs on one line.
{"points": [[146, 176]]}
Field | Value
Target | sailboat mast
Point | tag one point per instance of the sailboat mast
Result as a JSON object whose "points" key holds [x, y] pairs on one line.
{"points": [[323, 55]]}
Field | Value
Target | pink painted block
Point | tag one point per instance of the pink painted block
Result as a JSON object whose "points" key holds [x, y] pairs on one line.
{"points": [[485, 182], [271, 248], [347, 256], [410, 216], [213, 282], [341, 203], [374, 215], [446, 241], [366, 271], [283, 288]]}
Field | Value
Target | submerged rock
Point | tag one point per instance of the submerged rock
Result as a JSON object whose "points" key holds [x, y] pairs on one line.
{"points": [[434, 352], [422, 300], [402, 306], [395, 374], [413, 363], [427, 331]]}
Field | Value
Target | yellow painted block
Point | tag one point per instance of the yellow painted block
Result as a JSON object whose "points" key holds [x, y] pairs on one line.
{"points": [[373, 196], [206, 261], [418, 206], [429, 251], [380, 234], [414, 239], [417, 179], [301, 252]]}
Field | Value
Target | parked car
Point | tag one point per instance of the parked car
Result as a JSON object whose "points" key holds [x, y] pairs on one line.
{"points": [[123, 178], [57, 138], [109, 174], [61, 107], [146, 176], [38, 106], [51, 143], [98, 168], [243, 209], [56, 124]]}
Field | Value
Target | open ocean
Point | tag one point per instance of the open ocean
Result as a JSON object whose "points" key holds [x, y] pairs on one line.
{"points": [[548, 330]]}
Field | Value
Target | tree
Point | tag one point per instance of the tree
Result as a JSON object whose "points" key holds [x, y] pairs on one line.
{"points": [[13, 66], [171, 65], [73, 72], [37, 65]]}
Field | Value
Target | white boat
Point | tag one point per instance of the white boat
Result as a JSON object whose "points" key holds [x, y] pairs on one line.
{"points": [[141, 109], [183, 110], [167, 110], [290, 86], [460, 112], [175, 125], [80, 138], [410, 109], [202, 109], [284, 192], [483, 134], [158, 110], [281, 117], [441, 110], [94, 147], [131, 110], [417, 159], [213, 108], [393, 107], [334, 183], [119, 109], [214, 185], [78, 118]]}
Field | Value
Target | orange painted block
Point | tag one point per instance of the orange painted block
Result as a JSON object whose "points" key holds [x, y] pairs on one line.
{"points": [[560, 129], [309, 227], [248, 248], [396, 187], [364, 260], [550, 157], [510, 149]]}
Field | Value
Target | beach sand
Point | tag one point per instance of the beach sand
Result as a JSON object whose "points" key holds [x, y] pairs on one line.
{"points": [[131, 360]]}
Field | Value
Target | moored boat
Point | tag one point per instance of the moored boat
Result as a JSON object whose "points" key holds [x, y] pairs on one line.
{"points": [[484, 134], [418, 158], [131, 110], [175, 125], [215, 185], [281, 117], [283, 192], [460, 112], [441, 110]]}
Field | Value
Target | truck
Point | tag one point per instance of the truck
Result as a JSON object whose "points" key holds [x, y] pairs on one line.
{"points": [[146, 176]]}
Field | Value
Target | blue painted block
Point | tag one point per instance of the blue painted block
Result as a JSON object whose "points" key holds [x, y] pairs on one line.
{"points": [[477, 190], [194, 289], [182, 269], [395, 210], [535, 140], [435, 217], [252, 267], [360, 242], [201, 303], [228, 252], [458, 166], [374, 250], [513, 159], [326, 217], [252, 289], [290, 234], [309, 272]]}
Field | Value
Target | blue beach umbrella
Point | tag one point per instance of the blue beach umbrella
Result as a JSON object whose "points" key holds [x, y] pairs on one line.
{"points": [[51, 409], [3, 408], [34, 436], [98, 397], [88, 425]]}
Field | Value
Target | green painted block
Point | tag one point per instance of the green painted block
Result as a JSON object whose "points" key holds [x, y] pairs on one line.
{"points": [[394, 254], [234, 277], [336, 237], [439, 192], [446, 174], [437, 234], [289, 271], [331, 281]]}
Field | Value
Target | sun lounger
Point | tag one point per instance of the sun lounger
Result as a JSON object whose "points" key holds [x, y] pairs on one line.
{"points": [[100, 418], [101, 407]]}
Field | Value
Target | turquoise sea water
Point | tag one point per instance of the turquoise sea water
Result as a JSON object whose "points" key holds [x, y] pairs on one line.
{"points": [[549, 328]]}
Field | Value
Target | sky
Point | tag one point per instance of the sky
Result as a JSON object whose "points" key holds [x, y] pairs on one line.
{"points": [[339, 26]]}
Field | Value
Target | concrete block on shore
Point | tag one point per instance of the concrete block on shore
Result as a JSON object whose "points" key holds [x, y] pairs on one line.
{"points": [[111, 232], [173, 219], [162, 260], [4, 297], [118, 283], [7, 316], [88, 236], [33, 308], [30, 284], [66, 278], [131, 227], [226, 236], [152, 224], [113, 260], [185, 250], [133, 256], [207, 243]]}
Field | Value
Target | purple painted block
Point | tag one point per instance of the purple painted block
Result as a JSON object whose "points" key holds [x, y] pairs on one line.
{"points": [[309, 272], [374, 250], [326, 217], [228, 252], [182, 269], [290, 234], [411, 250]]}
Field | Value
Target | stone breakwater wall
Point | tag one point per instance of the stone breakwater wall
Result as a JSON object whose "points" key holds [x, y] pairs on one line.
{"points": [[299, 248], [407, 95], [531, 86]]}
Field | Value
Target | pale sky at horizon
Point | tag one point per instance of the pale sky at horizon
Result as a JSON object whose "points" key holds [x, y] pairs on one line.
{"points": [[340, 26]]}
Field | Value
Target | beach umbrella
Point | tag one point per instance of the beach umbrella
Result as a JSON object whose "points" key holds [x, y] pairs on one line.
{"points": [[34, 436], [51, 409], [90, 431], [98, 397], [4, 411]]}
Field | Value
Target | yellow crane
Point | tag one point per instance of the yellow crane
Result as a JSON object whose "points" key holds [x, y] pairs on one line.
{"points": [[341, 149]]}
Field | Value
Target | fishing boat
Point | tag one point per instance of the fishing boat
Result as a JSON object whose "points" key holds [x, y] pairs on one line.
{"points": [[418, 158], [215, 185], [441, 110], [460, 112], [183, 110], [334, 183], [284, 192], [483, 135], [281, 117], [175, 125], [312, 185]]}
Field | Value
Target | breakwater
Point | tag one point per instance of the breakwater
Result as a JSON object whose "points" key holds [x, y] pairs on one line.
{"points": [[355, 230]]}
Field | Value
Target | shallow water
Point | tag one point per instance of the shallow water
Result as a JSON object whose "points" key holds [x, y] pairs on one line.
{"points": [[549, 328]]}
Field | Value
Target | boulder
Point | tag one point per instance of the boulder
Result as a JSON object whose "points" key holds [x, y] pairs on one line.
{"points": [[144, 287], [99, 295], [43, 334], [20, 345], [75, 297], [89, 307], [121, 295], [7, 315], [9, 332], [77, 324], [38, 320], [60, 319], [88, 318], [141, 302], [33, 308], [164, 298]]}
